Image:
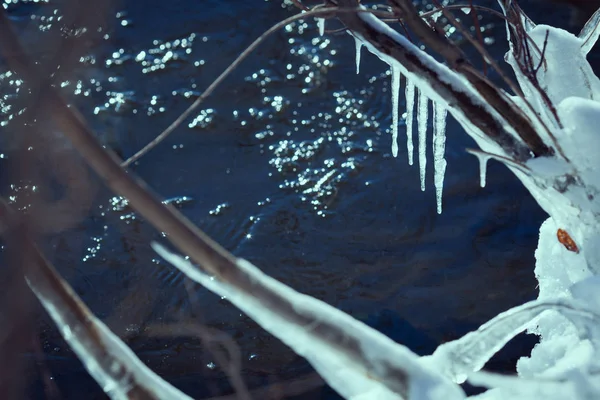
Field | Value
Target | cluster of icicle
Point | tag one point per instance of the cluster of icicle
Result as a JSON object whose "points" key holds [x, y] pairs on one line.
{"points": [[439, 128], [439, 123]]}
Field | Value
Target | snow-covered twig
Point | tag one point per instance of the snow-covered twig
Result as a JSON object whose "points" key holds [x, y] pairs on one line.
{"points": [[470, 353], [120, 374], [356, 360]]}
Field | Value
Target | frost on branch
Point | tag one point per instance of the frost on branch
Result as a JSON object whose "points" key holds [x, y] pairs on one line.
{"points": [[115, 367], [354, 359]]}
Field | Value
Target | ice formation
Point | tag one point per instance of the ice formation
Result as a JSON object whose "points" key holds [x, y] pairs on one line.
{"points": [[565, 363], [483, 160], [321, 25], [358, 45], [422, 119], [439, 147], [410, 110], [395, 88]]}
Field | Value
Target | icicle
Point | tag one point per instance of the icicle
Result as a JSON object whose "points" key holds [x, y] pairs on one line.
{"points": [[395, 97], [483, 159], [410, 109], [358, 44], [422, 115], [321, 25], [439, 147]]}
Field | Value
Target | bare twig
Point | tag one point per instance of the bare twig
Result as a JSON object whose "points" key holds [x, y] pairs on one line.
{"points": [[477, 27], [323, 12], [230, 363], [542, 59], [522, 45], [282, 390]]}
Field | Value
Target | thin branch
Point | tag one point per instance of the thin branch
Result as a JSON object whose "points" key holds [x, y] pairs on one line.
{"points": [[475, 18], [461, 6], [508, 109], [231, 363], [542, 59], [317, 12], [338, 346], [522, 55], [282, 390]]}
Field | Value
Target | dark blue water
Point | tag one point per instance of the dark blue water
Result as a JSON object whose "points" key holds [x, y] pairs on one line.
{"points": [[288, 165]]}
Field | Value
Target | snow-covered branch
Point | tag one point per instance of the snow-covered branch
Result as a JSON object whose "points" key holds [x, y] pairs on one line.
{"points": [[356, 360], [470, 98], [108, 360]]}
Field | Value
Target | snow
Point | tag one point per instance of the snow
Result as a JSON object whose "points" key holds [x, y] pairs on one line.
{"points": [[439, 148], [579, 116], [422, 119], [395, 88], [410, 109]]}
